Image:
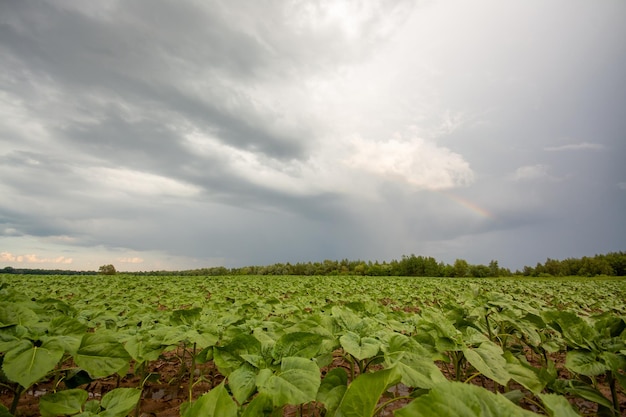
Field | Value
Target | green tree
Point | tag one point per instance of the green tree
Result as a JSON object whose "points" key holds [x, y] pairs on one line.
{"points": [[107, 270], [494, 269], [553, 267], [479, 271], [461, 268]]}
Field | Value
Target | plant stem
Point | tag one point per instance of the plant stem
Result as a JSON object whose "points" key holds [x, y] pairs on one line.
{"points": [[472, 377], [488, 326], [16, 399], [611, 380], [456, 357], [192, 371], [385, 404]]}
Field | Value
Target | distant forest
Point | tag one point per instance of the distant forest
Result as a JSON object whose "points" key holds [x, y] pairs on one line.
{"points": [[610, 264]]}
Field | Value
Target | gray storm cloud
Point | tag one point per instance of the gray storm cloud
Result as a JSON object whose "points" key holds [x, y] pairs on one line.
{"points": [[173, 135]]}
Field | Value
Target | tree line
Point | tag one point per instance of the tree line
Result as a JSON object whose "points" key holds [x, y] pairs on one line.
{"points": [[610, 264]]}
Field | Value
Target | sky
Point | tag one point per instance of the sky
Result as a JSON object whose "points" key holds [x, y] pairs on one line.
{"points": [[172, 135]]}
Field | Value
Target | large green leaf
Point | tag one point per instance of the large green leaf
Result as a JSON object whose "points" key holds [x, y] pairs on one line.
{"points": [[488, 360], [242, 382], [142, 347], [359, 347], [455, 399], [347, 320], [63, 403], [215, 403], [432, 319], [228, 358], [100, 354], [4, 412], [63, 325], [580, 389], [202, 340], [332, 389], [412, 362], [577, 332], [303, 344], [27, 363], [524, 373], [558, 406], [364, 392], [416, 371], [296, 382], [262, 406], [12, 314], [584, 363], [68, 331], [185, 317], [119, 402]]}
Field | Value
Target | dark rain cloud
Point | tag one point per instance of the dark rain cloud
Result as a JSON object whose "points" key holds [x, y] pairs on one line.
{"points": [[260, 132]]}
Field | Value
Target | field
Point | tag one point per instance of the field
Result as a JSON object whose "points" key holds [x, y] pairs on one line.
{"points": [[311, 346]]}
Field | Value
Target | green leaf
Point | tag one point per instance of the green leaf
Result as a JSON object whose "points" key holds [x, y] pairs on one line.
{"points": [[92, 408], [54, 306], [63, 402], [76, 377], [364, 392], [412, 362], [262, 406], [297, 382], [27, 363], [524, 373], [65, 326], [347, 320], [12, 314], [215, 403], [515, 396], [4, 412], [68, 331], [119, 402], [488, 360], [202, 340], [613, 361], [142, 347], [455, 399], [575, 330], [558, 406], [100, 354], [359, 347], [333, 388], [302, 344], [415, 371], [444, 327], [228, 358], [582, 390], [584, 363], [185, 317], [242, 382]]}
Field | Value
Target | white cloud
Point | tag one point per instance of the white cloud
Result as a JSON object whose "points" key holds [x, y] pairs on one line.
{"points": [[621, 185], [133, 260], [7, 257], [416, 162], [576, 147], [121, 180], [10, 231], [530, 172], [32, 258]]}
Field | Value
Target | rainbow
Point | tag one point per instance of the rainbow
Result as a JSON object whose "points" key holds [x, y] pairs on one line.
{"points": [[468, 204]]}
